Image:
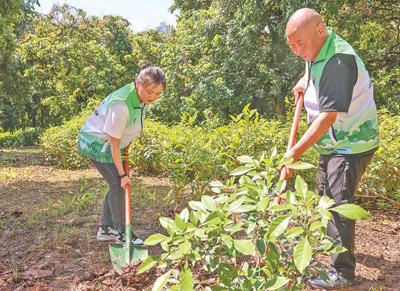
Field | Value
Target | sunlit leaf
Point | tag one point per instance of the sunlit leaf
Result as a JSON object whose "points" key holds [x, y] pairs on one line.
{"points": [[302, 255], [351, 211], [161, 281]]}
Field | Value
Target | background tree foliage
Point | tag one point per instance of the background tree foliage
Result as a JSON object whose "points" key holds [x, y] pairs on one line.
{"points": [[221, 56], [373, 28], [225, 54], [68, 62], [13, 22]]}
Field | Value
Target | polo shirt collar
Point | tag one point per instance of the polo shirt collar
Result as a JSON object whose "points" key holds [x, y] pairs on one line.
{"points": [[324, 50]]}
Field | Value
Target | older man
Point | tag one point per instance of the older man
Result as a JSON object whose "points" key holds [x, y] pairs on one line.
{"points": [[343, 126]]}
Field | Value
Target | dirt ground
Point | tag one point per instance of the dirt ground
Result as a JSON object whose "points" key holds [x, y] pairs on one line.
{"points": [[49, 218]]}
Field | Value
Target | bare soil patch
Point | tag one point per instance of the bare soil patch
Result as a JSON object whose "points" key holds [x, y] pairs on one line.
{"points": [[49, 218]]}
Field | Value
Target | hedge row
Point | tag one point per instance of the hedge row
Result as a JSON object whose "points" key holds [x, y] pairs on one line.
{"points": [[27, 137], [192, 154]]}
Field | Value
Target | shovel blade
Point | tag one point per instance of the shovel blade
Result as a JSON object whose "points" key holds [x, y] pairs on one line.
{"points": [[121, 255]]}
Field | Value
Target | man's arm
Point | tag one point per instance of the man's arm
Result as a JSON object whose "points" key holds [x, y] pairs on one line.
{"points": [[317, 129]]}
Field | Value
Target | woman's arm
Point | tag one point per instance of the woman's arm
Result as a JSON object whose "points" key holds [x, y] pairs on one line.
{"points": [[116, 155]]}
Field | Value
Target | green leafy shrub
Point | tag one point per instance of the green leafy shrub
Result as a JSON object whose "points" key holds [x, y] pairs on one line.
{"points": [[27, 137], [227, 234], [191, 155], [60, 144], [382, 177], [7, 139]]}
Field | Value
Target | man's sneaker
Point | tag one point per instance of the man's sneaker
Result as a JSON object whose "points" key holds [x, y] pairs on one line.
{"points": [[337, 282], [134, 239], [107, 233]]}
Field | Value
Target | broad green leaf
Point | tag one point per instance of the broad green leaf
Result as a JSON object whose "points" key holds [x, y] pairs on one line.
{"points": [[273, 256], [209, 202], [325, 214], [165, 263], [226, 273], [274, 153], [247, 182], [161, 281], [241, 171], [325, 202], [278, 226], [302, 255], [295, 231], [177, 255], [184, 215], [185, 247], [236, 138], [245, 159], [236, 204], [338, 250], [236, 228], [261, 246], [245, 208], [280, 187], [186, 278], [276, 283], [148, 263], [245, 246], [156, 239], [167, 222], [246, 108], [324, 276], [180, 224], [216, 190], [251, 227], [316, 225], [197, 205], [263, 204], [290, 197], [193, 218], [279, 208], [300, 166], [213, 219], [220, 213], [216, 184], [351, 211], [301, 187]]}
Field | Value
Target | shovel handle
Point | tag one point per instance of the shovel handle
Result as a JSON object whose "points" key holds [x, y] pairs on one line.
{"points": [[292, 138], [127, 189], [291, 142]]}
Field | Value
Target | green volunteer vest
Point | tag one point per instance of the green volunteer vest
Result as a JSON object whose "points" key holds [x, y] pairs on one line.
{"points": [[93, 143], [357, 130]]}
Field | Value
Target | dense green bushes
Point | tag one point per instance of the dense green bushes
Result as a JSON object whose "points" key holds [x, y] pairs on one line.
{"points": [[60, 144], [191, 155], [27, 137], [382, 179]]}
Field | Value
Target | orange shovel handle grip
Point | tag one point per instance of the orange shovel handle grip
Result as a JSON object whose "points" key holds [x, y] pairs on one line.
{"points": [[127, 189], [292, 138]]}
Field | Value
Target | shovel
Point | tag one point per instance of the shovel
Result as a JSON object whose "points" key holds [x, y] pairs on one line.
{"points": [[291, 142], [122, 254], [292, 139]]}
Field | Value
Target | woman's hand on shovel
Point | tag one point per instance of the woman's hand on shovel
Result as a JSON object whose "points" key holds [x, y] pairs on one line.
{"points": [[125, 181]]}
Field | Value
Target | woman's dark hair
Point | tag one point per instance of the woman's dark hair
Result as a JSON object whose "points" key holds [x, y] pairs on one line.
{"points": [[151, 75]]}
